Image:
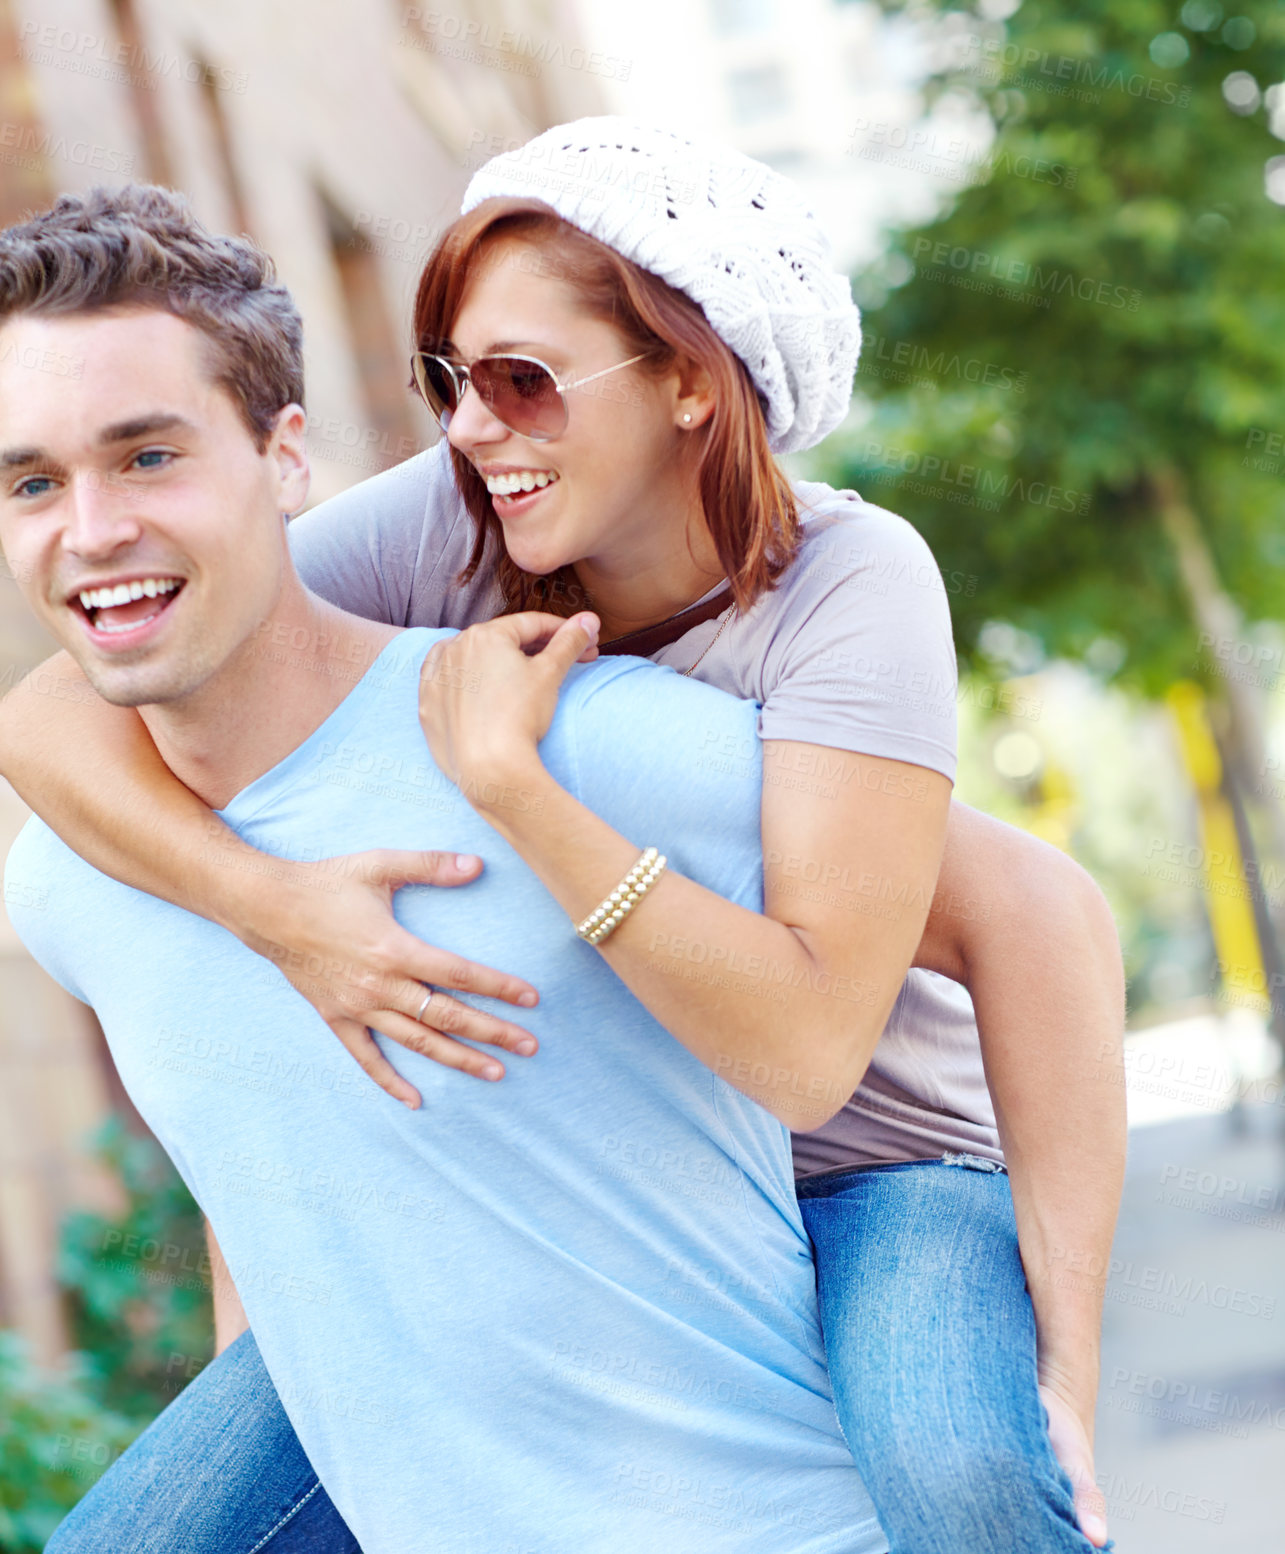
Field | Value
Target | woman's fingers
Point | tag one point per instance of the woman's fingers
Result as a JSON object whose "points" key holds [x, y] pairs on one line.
{"points": [[364, 1048], [435, 1038], [533, 629], [1071, 1447], [452, 1018], [393, 867], [418, 963], [570, 644], [400, 961]]}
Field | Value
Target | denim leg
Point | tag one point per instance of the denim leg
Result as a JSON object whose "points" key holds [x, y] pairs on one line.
{"points": [[219, 1472], [930, 1338]]}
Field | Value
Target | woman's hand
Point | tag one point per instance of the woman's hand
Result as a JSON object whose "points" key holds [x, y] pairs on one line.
{"points": [[1074, 1450], [332, 933], [488, 695]]}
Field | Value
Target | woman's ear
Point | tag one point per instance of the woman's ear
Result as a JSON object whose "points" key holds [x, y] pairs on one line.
{"points": [[694, 399], [288, 450]]}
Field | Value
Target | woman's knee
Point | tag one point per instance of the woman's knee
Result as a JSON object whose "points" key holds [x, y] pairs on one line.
{"points": [[969, 1497]]}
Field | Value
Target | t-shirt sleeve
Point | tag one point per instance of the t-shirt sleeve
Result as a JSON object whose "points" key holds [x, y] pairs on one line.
{"points": [[862, 657], [388, 548], [36, 860]]}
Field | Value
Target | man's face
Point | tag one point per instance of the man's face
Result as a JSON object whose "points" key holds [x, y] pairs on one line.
{"points": [[139, 519]]}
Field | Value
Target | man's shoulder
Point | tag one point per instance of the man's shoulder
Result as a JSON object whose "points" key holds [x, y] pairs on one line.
{"points": [[626, 717], [35, 851], [66, 912], [622, 678], [374, 672]]}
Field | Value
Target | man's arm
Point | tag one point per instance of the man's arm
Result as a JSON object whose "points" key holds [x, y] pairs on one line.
{"points": [[230, 1320], [1030, 935]]}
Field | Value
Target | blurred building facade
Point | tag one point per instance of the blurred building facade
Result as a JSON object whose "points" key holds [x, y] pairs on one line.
{"points": [[340, 136], [816, 88]]}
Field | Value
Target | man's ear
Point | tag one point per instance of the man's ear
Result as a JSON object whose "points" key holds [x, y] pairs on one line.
{"points": [[288, 452]]}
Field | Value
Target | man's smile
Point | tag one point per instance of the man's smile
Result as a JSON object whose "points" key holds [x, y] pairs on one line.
{"points": [[125, 608]]}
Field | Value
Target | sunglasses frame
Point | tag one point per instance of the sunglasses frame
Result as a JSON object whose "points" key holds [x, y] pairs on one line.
{"points": [[461, 377]]}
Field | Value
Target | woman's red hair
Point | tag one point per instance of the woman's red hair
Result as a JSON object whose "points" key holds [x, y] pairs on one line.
{"points": [[748, 505]]}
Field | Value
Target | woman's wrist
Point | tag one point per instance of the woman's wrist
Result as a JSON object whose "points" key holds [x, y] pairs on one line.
{"points": [[506, 784], [254, 894]]}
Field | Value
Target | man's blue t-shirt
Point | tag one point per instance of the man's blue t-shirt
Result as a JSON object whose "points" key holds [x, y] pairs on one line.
{"points": [[572, 1311]]}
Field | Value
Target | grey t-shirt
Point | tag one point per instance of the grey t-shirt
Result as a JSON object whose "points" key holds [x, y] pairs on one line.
{"points": [[852, 650]]}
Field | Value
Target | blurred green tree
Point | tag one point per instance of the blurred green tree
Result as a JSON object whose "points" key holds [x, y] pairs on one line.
{"points": [[1075, 378], [138, 1296], [56, 1438], [138, 1285]]}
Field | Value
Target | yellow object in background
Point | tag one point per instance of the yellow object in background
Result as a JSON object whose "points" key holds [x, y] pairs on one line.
{"points": [[1222, 866]]}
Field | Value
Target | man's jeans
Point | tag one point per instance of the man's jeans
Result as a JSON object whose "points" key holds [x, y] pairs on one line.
{"points": [[220, 1472], [930, 1338]]}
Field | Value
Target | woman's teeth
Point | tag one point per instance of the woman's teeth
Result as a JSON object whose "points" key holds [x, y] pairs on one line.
{"points": [[525, 480]]}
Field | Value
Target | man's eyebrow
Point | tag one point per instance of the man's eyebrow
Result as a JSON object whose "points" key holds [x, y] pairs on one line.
{"points": [[19, 458], [120, 431], [143, 426]]}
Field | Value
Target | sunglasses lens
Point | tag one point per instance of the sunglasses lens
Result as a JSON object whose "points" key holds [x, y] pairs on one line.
{"points": [[435, 383], [522, 394]]}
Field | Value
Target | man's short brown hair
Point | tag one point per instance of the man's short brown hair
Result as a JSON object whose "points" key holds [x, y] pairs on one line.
{"points": [[140, 245]]}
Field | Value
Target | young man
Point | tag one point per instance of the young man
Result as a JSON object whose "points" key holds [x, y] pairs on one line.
{"points": [[582, 1317]]}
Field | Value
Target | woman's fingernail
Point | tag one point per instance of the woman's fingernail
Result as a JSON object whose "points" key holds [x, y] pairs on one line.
{"points": [[528, 999], [526, 1048], [466, 861], [492, 1071]]}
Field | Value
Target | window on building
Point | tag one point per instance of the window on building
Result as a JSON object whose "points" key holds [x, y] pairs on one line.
{"points": [[758, 93], [26, 184], [216, 116], [382, 365], [143, 93]]}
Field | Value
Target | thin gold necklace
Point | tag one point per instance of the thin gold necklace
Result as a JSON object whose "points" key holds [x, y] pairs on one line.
{"points": [[731, 610]]}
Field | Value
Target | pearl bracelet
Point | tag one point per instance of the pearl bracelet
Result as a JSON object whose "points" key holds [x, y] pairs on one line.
{"points": [[607, 917]]}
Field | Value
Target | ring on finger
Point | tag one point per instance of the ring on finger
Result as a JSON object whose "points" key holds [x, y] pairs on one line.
{"points": [[428, 998]]}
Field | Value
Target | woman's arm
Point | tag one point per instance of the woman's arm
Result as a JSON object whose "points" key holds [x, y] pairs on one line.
{"points": [[1030, 935], [92, 773], [787, 1004]]}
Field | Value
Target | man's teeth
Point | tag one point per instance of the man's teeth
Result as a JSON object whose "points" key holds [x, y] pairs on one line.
{"points": [[524, 480], [141, 588]]}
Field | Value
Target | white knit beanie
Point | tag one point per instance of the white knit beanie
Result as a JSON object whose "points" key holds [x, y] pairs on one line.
{"points": [[729, 232]]}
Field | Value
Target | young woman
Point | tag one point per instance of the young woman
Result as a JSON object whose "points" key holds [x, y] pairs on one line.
{"points": [[615, 363]]}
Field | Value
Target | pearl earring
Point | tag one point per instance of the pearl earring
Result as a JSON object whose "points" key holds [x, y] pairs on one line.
{"points": [[687, 418]]}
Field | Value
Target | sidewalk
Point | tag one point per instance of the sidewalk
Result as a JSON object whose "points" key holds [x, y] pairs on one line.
{"points": [[1191, 1418]]}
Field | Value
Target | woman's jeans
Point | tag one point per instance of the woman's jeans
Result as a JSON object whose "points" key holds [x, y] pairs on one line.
{"points": [[931, 1344], [930, 1338]]}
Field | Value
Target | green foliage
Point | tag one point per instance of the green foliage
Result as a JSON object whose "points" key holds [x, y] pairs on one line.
{"points": [[56, 1438], [139, 1285], [1123, 255], [137, 1289]]}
